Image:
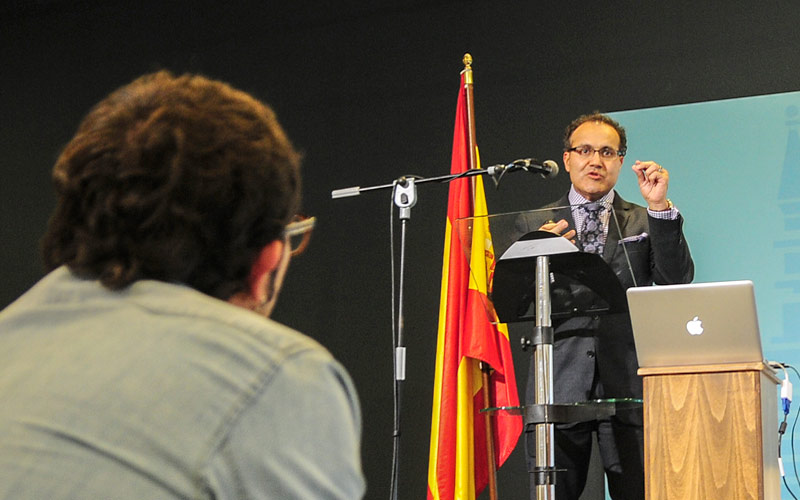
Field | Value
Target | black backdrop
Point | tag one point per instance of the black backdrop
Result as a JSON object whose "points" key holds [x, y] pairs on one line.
{"points": [[368, 93]]}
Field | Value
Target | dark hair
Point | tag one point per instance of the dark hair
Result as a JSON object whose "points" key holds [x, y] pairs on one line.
{"points": [[179, 179], [596, 117]]}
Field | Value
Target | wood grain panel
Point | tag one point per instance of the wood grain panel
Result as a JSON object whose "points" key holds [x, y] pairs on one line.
{"points": [[703, 437]]}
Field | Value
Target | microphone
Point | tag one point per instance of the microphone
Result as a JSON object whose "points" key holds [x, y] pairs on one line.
{"points": [[547, 168]]}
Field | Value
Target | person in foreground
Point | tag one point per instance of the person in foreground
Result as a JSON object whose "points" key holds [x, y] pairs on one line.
{"points": [[594, 357], [144, 365]]}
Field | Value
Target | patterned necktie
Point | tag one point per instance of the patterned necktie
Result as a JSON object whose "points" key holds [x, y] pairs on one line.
{"points": [[591, 237]]}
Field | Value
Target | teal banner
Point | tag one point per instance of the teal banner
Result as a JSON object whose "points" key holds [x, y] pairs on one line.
{"points": [[735, 176]]}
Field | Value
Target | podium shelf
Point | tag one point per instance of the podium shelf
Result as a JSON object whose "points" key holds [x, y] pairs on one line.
{"points": [[563, 413]]}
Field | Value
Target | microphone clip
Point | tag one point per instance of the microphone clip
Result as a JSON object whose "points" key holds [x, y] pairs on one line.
{"points": [[498, 171]]}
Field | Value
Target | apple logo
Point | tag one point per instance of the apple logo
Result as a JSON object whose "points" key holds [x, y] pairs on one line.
{"points": [[694, 326]]}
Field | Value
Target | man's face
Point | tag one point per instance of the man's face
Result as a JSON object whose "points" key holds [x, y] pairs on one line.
{"points": [[594, 176]]}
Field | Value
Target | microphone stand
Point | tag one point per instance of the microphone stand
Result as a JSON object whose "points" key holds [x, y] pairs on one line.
{"points": [[495, 171], [357, 190], [405, 197]]}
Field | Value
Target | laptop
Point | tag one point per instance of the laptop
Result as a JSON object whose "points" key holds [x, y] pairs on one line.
{"points": [[695, 324]]}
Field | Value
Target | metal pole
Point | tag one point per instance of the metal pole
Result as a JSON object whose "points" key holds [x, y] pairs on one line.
{"points": [[543, 363]]}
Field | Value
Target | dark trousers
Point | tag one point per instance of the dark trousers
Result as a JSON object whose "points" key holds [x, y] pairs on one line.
{"points": [[621, 448]]}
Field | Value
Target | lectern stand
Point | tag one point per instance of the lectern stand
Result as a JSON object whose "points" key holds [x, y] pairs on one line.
{"points": [[541, 255], [521, 292], [711, 432]]}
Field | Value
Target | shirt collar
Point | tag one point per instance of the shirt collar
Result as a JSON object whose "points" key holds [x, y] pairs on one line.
{"points": [[576, 199]]}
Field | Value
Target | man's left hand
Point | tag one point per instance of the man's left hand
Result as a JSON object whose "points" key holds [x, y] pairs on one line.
{"points": [[653, 181]]}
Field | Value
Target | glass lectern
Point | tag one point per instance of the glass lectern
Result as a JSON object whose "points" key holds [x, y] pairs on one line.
{"points": [[541, 277]]}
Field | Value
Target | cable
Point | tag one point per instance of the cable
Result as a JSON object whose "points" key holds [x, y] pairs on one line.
{"points": [[781, 431], [395, 384], [786, 402], [787, 488], [794, 426]]}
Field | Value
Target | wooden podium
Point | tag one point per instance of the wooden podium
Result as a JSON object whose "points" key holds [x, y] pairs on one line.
{"points": [[711, 432]]}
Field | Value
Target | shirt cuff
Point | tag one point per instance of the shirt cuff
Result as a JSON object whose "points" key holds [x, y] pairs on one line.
{"points": [[670, 214]]}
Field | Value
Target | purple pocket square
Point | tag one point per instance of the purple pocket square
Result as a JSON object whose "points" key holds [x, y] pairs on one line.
{"points": [[634, 239]]}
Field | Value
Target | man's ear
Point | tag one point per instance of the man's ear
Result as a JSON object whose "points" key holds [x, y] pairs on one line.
{"points": [[267, 261]]}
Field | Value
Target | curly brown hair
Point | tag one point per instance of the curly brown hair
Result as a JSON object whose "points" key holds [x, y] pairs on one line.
{"points": [[596, 116], [179, 179]]}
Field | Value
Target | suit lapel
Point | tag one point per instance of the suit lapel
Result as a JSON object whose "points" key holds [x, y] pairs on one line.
{"points": [[622, 213]]}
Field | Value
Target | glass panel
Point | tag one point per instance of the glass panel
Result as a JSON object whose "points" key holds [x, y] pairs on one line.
{"points": [[580, 283], [569, 412]]}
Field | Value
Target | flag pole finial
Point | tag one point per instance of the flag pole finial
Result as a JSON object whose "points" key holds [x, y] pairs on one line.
{"points": [[467, 71]]}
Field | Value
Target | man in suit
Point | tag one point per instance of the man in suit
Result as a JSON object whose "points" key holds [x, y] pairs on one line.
{"points": [[594, 355]]}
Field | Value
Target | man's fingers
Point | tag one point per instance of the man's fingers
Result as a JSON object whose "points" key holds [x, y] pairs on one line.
{"points": [[554, 227]]}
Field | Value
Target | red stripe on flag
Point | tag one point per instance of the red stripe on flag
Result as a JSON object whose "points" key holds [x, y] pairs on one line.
{"points": [[458, 464]]}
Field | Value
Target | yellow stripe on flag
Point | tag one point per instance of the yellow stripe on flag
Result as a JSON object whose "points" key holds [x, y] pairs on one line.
{"points": [[458, 467]]}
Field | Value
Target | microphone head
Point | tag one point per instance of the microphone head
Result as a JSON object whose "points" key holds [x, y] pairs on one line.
{"points": [[553, 166]]}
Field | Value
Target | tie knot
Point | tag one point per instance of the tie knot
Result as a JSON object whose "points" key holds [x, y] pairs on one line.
{"points": [[592, 209]]}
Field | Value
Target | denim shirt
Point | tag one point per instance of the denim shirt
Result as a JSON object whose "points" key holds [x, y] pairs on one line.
{"points": [[161, 392]]}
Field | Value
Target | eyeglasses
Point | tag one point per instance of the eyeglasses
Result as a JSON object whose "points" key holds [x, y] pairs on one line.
{"points": [[607, 153], [298, 233]]}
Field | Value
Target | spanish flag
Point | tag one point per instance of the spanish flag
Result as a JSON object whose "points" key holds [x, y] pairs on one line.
{"points": [[459, 458]]}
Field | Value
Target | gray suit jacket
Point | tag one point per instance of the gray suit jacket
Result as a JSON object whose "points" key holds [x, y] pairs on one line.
{"points": [[595, 356]]}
